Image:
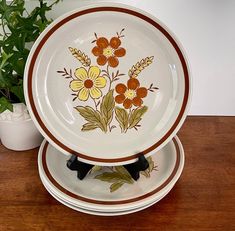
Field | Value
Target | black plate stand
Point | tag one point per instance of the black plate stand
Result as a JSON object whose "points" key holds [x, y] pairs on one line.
{"points": [[83, 168]]}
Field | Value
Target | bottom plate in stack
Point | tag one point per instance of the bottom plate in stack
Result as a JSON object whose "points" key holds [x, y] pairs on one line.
{"points": [[110, 191]]}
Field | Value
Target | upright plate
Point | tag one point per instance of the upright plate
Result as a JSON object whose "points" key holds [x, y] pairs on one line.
{"points": [[107, 83], [94, 194]]}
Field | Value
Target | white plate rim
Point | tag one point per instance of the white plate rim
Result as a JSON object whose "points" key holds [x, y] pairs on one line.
{"points": [[101, 213]]}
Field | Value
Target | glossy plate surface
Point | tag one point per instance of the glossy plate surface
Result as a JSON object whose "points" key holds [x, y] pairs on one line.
{"points": [[94, 194], [107, 83]]}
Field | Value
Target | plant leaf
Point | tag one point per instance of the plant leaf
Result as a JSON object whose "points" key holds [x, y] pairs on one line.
{"points": [[92, 116], [151, 163], [118, 178], [5, 104], [151, 167], [110, 177], [89, 127], [19, 66], [19, 29], [96, 168], [5, 57], [136, 115], [125, 174], [145, 173], [107, 106], [115, 186], [122, 118], [4, 81], [19, 92]]}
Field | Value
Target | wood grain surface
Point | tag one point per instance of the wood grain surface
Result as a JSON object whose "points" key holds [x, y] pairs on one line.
{"points": [[202, 199]]}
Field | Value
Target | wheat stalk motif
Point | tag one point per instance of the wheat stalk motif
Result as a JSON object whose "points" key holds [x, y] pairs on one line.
{"points": [[139, 66], [82, 57]]}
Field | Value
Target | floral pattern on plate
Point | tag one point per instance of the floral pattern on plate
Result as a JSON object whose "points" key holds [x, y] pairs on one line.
{"points": [[94, 84], [119, 176]]}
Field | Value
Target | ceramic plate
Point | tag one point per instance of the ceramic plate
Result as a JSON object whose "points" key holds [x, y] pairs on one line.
{"points": [[94, 192], [107, 83], [92, 212]]}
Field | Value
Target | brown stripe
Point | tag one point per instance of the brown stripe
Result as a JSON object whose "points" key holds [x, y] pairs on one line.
{"points": [[116, 9], [75, 196]]}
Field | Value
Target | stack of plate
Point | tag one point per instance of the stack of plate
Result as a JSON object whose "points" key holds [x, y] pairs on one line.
{"points": [[108, 83], [93, 197]]}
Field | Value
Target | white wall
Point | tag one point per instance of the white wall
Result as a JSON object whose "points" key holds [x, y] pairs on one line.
{"points": [[206, 28]]}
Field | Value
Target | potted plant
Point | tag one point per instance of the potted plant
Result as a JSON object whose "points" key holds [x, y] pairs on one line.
{"points": [[19, 29]]}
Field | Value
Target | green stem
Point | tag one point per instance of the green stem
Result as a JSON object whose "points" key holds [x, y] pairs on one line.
{"points": [[8, 94], [129, 114], [55, 2], [26, 12], [13, 2], [110, 80], [3, 28], [4, 94], [95, 105], [43, 17]]}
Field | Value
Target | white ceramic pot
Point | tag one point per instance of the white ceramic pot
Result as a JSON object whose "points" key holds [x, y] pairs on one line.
{"points": [[17, 130]]}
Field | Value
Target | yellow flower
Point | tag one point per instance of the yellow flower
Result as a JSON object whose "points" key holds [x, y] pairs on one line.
{"points": [[88, 83]]}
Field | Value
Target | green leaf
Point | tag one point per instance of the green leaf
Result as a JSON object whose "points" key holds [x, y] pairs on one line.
{"points": [[5, 104], [145, 173], [5, 57], [8, 44], [92, 116], [5, 80], [18, 28], [19, 92], [20, 42], [110, 177], [115, 186], [2, 80], [107, 106], [19, 67], [136, 115], [120, 175], [96, 168], [151, 167], [125, 174], [122, 118], [118, 178], [151, 163], [89, 127]]}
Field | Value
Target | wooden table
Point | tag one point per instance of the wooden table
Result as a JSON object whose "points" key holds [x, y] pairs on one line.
{"points": [[203, 198]]}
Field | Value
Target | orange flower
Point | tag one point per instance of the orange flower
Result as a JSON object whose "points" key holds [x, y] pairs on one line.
{"points": [[108, 51], [131, 94]]}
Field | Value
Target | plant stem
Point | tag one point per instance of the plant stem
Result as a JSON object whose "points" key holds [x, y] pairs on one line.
{"points": [[4, 93], [13, 2], [8, 93], [55, 2], [27, 12], [128, 119], [3, 28], [43, 18], [110, 168], [110, 80], [95, 105]]}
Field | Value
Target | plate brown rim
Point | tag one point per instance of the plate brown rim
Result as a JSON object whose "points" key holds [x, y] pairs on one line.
{"points": [[89, 200]]}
